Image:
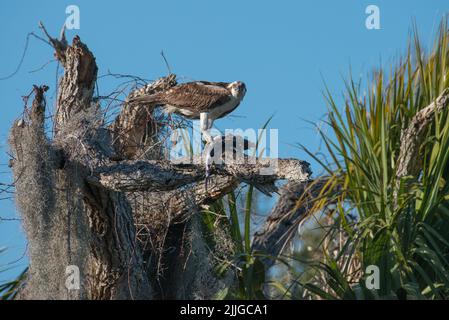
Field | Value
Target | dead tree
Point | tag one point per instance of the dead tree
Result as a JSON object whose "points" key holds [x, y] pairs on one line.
{"points": [[103, 197]]}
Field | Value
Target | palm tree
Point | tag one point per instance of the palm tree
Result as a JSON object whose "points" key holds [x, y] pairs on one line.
{"points": [[389, 149]]}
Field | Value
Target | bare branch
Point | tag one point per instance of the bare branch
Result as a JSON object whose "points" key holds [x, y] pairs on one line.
{"points": [[409, 162], [160, 175], [60, 46], [293, 207]]}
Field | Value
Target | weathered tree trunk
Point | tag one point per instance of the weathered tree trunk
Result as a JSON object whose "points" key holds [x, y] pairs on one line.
{"points": [[103, 198]]}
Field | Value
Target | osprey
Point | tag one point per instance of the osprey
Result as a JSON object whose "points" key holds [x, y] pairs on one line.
{"points": [[202, 100]]}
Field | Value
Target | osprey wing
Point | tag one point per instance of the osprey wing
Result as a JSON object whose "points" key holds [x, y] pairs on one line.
{"points": [[197, 96]]}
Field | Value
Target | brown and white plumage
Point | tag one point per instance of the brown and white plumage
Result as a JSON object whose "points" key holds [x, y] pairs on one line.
{"points": [[193, 98]]}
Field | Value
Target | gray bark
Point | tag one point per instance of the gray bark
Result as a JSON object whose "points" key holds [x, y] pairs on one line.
{"points": [[293, 207], [411, 137], [409, 161]]}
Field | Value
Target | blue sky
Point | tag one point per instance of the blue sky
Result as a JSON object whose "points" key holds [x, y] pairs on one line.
{"points": [[282, 50]]}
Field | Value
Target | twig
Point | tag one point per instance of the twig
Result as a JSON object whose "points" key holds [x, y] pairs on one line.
{"points": [[43, 66], [23, 54], [166, 62]]}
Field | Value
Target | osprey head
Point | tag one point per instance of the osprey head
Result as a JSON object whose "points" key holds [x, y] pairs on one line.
{"points": [[238, 89]]}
